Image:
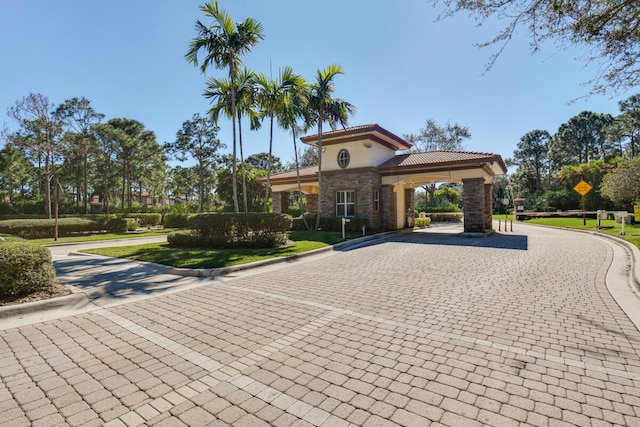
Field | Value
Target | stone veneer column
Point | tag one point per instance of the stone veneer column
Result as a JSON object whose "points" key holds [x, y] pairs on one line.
{"points": [[312, 203], [488, 206], [388, 207], [473, 198], [276, 202]]}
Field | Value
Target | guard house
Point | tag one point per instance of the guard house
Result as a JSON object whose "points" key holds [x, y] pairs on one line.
{"points": [[363, 176]]}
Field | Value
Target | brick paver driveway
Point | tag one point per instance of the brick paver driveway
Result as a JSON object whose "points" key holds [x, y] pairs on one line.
{"points": [[417, 330]]}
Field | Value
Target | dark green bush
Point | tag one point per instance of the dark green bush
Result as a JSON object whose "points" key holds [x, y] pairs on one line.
{"points": [[332, 223], [446, 216], [238, 226], [24, 268], [146, 219], [175, 220], [443, 209], [247, 230], [44, 228], [189, 239]]}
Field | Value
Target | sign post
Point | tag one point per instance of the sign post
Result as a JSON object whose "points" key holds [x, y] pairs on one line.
{"points": [[582, 188]]}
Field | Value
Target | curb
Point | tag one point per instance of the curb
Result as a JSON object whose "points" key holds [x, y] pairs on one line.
{"points": [[74, 301]]}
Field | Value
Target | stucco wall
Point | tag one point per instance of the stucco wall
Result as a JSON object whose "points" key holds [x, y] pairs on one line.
{"points": [[360, 156]]}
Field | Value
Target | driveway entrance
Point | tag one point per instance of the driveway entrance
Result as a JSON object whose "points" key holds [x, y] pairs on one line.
{"points": [[405, 331]]}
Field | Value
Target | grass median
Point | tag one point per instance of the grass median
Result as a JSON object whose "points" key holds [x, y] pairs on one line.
{"points": [[162, 253]]}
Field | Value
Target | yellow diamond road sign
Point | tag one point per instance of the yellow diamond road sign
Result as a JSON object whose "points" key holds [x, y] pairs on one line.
{"points": [[583, 187]]}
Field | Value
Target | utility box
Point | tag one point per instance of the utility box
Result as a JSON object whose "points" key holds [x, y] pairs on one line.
{"points": [[518, 207], [600, 215]]}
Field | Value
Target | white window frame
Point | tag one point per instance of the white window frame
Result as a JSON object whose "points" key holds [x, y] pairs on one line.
{"points": [[376, 200], [345, 199]]}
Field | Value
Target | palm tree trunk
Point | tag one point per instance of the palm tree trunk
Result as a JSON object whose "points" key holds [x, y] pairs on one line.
{"points": [[234, 181], [295, 149], [266, 190], [243, 169], [320, 119]]}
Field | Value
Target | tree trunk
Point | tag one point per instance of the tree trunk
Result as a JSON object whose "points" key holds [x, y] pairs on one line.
{"points": [[85, 185], [47, 184], [295, 149], [201, 187], [242, 168], [234, 181], [320, 119], [268, 186]]}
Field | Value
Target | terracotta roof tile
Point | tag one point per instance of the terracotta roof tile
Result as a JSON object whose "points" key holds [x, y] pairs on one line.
{"points": [[436, 158], [309, 171]]}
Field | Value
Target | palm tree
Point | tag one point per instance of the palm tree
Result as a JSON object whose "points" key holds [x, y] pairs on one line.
{"points": [[220, 89], [322, 108], [288, 117], [274, 96], [224, 42]]}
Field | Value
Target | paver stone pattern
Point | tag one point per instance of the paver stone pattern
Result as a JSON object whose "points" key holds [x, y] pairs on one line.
{"points": [[417, 330]]}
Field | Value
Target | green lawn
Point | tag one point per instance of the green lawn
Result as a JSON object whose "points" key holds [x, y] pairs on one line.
{"points": [[161, 253], [632, 231]]}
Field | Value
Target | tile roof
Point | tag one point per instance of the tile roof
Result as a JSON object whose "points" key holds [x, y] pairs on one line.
{"points": [[309, 171], [442, 157], [371, 131]]}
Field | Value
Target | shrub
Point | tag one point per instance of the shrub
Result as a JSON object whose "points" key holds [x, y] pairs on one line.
{"points": [[132, 224], [175, 220], [446, 216], [24, 268], [332, 224], [238, 225], [189, 239], [423, 222], [146, 219], [248, 230], [43, 228]]}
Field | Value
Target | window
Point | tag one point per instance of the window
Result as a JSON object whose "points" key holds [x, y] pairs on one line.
{"points": [[345, 203], [376, 200], [343, 158]]}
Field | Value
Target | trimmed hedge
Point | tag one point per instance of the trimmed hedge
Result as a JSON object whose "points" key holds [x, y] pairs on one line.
{"points": [[175, 220], [332, 224], [189, 239], [452, 216], [238, 226], [24, 268], [246, 230], [146, 219], [44, 228]]}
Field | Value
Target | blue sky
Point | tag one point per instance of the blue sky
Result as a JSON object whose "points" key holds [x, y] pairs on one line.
{"points": [[401, 66]]}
